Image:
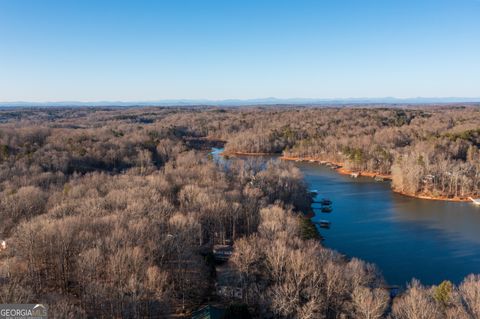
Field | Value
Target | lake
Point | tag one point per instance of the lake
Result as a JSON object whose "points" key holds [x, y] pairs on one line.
{"points": [[405, 237]]}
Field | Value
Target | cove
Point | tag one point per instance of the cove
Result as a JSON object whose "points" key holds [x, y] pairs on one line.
{"points": [[405, 237]]}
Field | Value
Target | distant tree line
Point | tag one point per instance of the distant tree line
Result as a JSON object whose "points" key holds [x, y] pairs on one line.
{"points": [[428, 151], [114, 213]]}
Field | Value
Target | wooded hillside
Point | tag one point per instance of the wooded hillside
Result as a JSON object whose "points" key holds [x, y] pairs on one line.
{"points": [[115, 212]]}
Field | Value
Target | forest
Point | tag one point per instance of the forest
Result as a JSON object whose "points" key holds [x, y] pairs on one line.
{"points": [[116, 212], [430, 152]]}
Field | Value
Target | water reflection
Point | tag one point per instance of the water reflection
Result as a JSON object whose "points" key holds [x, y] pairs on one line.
{"points": [[405, 237], [457, 219]]}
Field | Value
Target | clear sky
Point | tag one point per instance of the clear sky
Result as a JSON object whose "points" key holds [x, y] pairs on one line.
{"points": [[91, 50]]}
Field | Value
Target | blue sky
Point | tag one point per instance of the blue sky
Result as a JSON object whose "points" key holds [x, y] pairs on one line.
{"points": [[91, 50]]}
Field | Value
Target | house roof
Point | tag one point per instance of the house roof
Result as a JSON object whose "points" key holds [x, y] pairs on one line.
{"points": [[208, 312]]}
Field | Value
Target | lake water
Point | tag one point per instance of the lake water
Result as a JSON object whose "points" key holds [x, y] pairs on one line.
{"points": [[405, 237]]}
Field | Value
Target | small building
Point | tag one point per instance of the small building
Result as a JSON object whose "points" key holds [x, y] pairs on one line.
{"points": [[227, 285], [208, 312], [3, 245], [229, 292], [222, 252], [428, 179]]}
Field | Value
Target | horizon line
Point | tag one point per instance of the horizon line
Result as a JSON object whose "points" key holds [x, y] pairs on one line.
{"points": [[234, 101]]}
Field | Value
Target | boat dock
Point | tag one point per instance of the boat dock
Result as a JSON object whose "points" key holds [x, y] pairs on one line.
{"points": [[326, 207], [323, 223], [326, 204]]}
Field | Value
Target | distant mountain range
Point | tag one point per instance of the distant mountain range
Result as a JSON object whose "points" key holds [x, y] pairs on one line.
{"points": [[245, 102]]}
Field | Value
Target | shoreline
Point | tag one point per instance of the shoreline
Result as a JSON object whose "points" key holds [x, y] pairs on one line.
{"points": [[230, 153], [439, 198], [343, 171]]}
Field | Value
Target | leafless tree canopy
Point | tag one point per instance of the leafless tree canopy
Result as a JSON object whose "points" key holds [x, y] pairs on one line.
{"points": [[114, 212]]}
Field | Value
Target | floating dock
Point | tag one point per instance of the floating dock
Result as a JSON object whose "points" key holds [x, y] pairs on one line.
{"points": [[325, 202], [323, 223], [326, 209]]}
